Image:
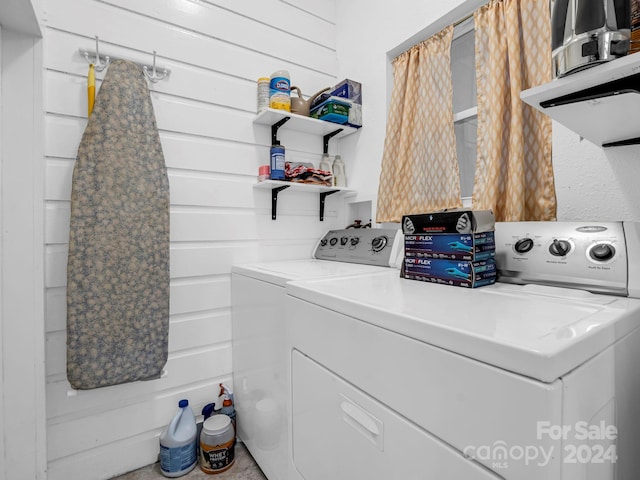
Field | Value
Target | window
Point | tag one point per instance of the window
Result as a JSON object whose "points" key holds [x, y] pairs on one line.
{"points": [[465, 109]]}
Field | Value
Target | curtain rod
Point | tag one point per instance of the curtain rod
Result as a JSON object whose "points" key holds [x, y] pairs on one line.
{"points": [[462, 20]]}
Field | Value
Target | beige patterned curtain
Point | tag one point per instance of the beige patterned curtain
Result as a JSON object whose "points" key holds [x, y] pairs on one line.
{"points": [[514, 174], [419, 165]]}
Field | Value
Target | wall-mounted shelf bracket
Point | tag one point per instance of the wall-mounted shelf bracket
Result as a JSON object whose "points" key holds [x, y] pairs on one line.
{"points": [[274, 130], [326, 138], [274, 200], [622, 143], [276, 186], [323, 195]]}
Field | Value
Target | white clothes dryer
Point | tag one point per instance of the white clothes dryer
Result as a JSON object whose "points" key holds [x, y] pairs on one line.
{"points": [[260, 358], [533, 378]]}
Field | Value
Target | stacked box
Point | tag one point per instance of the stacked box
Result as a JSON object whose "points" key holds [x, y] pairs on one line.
{"points": [[332, 110], [349, 89], [452, 248], [635, 27], [451, 221], [459, 273]]}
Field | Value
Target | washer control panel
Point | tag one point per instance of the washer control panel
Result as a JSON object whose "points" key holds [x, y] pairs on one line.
{"points": [[585, 255], [370, 246]]}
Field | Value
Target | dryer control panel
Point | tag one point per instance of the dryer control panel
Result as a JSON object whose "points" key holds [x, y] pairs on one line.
{"points": [[585, 255], [370, 246]]}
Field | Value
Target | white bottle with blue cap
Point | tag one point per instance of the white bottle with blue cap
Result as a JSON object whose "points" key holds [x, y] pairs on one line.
{"points": [[178, 443]]}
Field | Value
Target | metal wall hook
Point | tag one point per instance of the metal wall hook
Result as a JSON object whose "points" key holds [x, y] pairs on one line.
{"points": [[153, 76], [153, 73], [97, 63]]}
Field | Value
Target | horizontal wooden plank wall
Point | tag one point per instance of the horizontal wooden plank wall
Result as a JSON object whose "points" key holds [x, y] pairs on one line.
{"points": [[216, 49]]}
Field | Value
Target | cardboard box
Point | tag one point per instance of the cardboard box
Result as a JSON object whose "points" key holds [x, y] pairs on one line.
{"points": [[451, 246], [450, 272], [635, 27], [355, 115], [450, 221], [348, 89], [332, 111]]}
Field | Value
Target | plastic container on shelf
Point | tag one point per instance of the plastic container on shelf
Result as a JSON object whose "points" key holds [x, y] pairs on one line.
{"points": [[264, 173], [277, 163], [280, 91], [339, 175], [264, 93], [178, 454], [325, 163]]}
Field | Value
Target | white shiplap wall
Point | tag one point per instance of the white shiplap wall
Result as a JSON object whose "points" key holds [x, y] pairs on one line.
{"points": [[216, 50]]}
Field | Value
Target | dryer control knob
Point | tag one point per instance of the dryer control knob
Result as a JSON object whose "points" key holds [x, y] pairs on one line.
{"points": [[559, 248], [602, 252], [333, 241], [344, 240], [378, 243], [355, 241], [523, 245]]}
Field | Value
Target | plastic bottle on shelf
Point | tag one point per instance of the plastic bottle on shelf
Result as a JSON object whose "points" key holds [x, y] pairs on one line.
{"points": [[264, 93], [325, 163], [280, 91], [339, 176], [277, 163], [178, 450]]}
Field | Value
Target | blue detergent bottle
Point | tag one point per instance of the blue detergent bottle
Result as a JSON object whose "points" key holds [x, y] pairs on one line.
{"points": [[178, 443]]}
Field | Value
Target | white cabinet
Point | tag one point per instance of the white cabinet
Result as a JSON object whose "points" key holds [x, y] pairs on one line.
{"points": [[601, 103]]}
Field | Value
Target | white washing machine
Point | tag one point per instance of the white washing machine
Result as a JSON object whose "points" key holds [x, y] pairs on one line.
{"points": [[534, 378], [261, 391]]}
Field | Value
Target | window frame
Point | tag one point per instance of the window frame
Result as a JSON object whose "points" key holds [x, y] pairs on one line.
{"points": [[462, 28]]}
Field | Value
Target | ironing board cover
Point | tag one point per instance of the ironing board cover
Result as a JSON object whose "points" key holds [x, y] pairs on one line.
{"points": [[118, 263]]}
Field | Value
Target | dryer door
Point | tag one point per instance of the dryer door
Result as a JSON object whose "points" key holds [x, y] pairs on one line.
{"points": [[341, 433]]}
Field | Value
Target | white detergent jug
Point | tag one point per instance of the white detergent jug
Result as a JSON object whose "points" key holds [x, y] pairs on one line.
{"points": [[178, 443]]}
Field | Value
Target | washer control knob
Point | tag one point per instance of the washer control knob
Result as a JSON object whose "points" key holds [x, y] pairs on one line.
{"points": [[323, 242], [559, 248], [354, 241], [333, 241], [602, 252], [344, 240], [523, 245], [378, 243]]}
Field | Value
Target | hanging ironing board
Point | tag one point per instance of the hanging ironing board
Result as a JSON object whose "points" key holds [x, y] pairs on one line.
{"points": [[118, 263]]}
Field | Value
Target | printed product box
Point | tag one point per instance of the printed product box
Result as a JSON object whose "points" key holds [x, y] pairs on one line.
{"points": [[451, 272], [355, 115], [635, 26], [451, 246], [348, 89], [451, 221], [332, 111]]}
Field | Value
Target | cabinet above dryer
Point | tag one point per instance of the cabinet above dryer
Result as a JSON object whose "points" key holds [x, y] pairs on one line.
{"points": [[601, 103]]}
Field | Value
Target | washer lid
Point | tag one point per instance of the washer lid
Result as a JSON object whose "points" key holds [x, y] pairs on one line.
{"points": [[279, 273], [538, 331]]}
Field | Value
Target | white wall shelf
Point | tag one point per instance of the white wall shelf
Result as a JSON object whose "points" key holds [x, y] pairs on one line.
{"points": [[600, 103], [283, 119], [276, 186]]}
